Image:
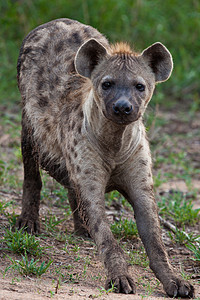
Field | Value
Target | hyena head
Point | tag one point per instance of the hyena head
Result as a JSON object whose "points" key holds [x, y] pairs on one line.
{"points": [[123, 81]]}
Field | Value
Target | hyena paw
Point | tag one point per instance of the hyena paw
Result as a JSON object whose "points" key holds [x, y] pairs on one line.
{"points": [[122, 284], [179, 288], [31, 225]]}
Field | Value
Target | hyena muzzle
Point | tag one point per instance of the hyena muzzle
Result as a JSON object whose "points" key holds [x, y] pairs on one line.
{"points": [[83, 102]]}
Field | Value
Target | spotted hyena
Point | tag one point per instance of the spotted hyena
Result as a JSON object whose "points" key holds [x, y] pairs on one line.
{"points": [[83, 102]]}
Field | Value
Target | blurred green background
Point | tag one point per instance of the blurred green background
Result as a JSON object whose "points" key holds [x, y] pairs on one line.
{"points": [[175, 23]]}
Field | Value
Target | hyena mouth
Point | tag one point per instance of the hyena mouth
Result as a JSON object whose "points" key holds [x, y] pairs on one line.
{"points": [[127, 120], [123, 119]]}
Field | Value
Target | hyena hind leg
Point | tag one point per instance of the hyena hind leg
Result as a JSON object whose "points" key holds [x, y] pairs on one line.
{"points": [[60, 174], [79, 228], [29, 218]]}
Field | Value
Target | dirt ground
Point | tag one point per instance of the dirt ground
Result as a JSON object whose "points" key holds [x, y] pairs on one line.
{"points": [[76, 271]]}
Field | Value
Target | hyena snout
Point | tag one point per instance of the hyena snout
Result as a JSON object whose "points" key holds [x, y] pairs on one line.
{"points": [[123, 111], [122, 107]]}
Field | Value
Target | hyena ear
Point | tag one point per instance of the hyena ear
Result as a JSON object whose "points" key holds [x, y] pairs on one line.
{"points": [[160, 61], [88, 56]]}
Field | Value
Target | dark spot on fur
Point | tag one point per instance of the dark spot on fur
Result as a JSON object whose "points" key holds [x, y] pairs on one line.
{"points": [[144, 179], [67, 21], [47, 125], [59, 47], [148, 188], [22, 87], [57, 80], [81, 114], [48, 128], [40, 71], [45, 48], [73, 125], [96, 227], [40, 84], [87, 31], [23, 68], [75, 142], [76, 38], [43, 101], [72, 149], [79, 129], [62, 136], [84, 178], [27, 50], [36, 38], [92, 188], [143, 162], [97, 224], [77, 106], [72, 168], [51, 86], [138, 149], [75, 154], [87, 172], [78, 169], [77, 187], [56, 62]]}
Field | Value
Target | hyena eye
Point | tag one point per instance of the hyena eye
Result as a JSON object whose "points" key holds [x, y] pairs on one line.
{"points": [[140, 87], [106, 85]]}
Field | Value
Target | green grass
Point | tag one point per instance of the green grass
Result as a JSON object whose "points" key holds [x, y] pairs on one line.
{"points": [[51, 223], [21, 242], [11, 217], [103, 291], [114, 198], [124, 229], [138, 257], [149, 286], [182, 237], [10, 158], [27, 266], [195, 248], [178, 208]]}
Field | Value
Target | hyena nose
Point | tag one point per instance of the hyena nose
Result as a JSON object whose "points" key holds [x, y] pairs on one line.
{"points": [[122, 106]]}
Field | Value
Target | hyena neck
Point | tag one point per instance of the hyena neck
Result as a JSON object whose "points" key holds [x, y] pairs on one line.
{"points": [[110, 139]]}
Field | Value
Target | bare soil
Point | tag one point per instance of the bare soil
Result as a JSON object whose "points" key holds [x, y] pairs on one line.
{"points": [[76, 271]]}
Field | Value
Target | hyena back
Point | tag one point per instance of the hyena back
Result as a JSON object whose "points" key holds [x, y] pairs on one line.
{"points": [[83, 102]]}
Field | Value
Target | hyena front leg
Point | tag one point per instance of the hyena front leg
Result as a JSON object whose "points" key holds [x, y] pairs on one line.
{"points": [[138, 187], [29, 218], [91, 206]]}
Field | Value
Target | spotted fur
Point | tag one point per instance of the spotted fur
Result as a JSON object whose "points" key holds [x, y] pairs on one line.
{"points": [[83, 102]]}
